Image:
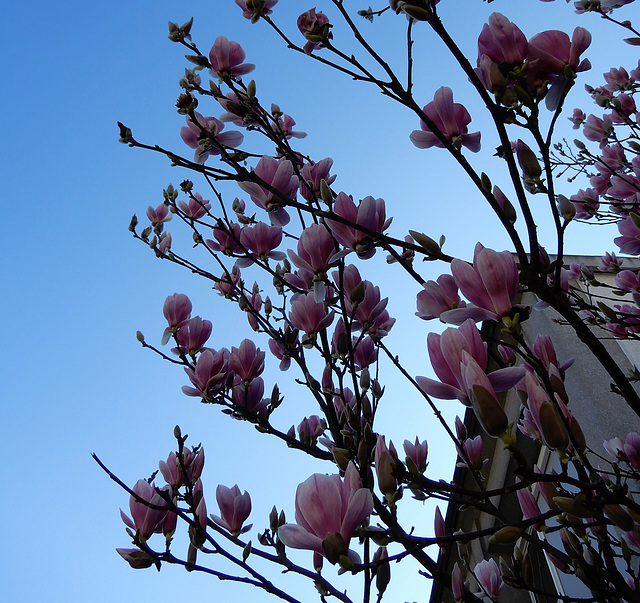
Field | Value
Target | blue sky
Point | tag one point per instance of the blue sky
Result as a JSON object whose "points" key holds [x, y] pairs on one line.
{"points": [[77, 287]]}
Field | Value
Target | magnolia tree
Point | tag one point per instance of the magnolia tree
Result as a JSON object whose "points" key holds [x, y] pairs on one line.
{"points": [[306, 244]]}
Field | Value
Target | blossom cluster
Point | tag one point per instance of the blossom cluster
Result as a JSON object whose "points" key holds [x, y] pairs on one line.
{"points": [[322, 318]]}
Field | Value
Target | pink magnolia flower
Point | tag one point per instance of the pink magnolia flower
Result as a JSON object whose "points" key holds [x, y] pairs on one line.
{"points": [[278, 175], [328, 511], [310, 429], [227, 285], [164, 243], [371, 315], [629, 450], [633, 539], [285, 126], [609, 262], [248, 396], [417, 452], [445, 353], [529, 505], [577, 118], [235, 508], [315, 28], [505, 205], [253, 307], [254, 9], [246, 361], [457, 582], [284, 350], [451, 119], [210, 374], [196, 208], [597, 129], [239, 109], [501, 46], [177, 310], [438, 297], [144, 520], [586, 202], [365, 351], [629, 242], [502, 41], [192, 335], [615, 447], [491, 285], [309, 316], [551, 53], [227, 239], [618, 79], [262, 241], [368, 310], [205, 135], [316, 254], [172, 469], [544, 351], [472, 449], [488, 576], [628, 280], [370, 214], [632, 449], [313, 174], [226, 59], [159, 215]]}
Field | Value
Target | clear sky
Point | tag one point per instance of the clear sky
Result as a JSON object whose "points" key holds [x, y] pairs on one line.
{"points": [[77, 287]]}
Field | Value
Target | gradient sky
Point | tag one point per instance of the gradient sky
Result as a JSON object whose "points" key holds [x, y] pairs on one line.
{"points": [[77, 286]]}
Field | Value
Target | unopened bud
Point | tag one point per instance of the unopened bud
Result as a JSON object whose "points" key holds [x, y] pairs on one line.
{"points": [[140, 336], [619, 516], [565, 208], [528, 161], [382, 571], [488, 411], [341, 457], [273, 519], [246, 551], [357, 295], [507, 535], [365, 379], [334, 547], [573, 506], [416, 12], [553, 430], [325, 193], [427, 243]]}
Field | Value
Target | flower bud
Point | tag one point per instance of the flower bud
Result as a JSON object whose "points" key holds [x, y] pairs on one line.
{"points": [[507, 535], [488, 411], [528, 162], [334, 547], [382, 571]]}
